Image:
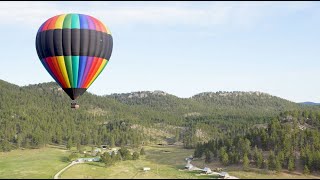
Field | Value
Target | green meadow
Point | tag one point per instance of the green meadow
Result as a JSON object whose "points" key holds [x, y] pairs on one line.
{"points": [[164, 163], [34, 163]]}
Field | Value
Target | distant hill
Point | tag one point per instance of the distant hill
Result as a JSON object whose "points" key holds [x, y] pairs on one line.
{"points": [[310, 103], [146, 105], [244, 100], [223, 104]]}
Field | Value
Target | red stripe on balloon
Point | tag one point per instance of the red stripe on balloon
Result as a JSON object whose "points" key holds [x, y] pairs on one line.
{"points": [[45, 26], [97, 24], [53, 65], [45, 64], [102, 27], [88, 76], [53, 23], [94, 68], [57, 67]]}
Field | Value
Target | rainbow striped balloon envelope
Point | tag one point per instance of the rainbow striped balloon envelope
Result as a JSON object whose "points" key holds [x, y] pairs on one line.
{"points": [[74, 49]]}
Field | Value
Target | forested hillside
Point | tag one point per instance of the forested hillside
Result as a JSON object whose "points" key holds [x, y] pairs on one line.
{"points": [[35, 115], [290, 141], [223, 105]]}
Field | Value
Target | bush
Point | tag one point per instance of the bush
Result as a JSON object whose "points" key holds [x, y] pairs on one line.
{"points": [[73, 156], [135, 156], [142, 152], [125, 153]]}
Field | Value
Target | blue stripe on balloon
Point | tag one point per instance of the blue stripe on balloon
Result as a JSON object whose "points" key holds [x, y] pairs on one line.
{"points": [[87, 69], [83, 21], [41, 26], [82, 65]]}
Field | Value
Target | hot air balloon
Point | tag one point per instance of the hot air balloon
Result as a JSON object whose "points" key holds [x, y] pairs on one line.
{"points": [[74, 49]]}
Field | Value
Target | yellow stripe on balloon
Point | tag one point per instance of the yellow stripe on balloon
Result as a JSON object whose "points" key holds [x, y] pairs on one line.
{"points": [[63, 69], [103, 64], [59, 22], [107, 29]]}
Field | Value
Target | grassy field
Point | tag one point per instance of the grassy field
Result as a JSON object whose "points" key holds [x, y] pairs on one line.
{"points": [[35, 163], [254, 173], [164, 162], [281, 175]]}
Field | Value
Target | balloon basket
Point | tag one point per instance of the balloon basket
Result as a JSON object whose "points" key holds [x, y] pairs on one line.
{"points": [[74, 105]]}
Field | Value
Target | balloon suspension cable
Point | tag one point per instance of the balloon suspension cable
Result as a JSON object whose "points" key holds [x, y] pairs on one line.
{"points": [[74, 104]]}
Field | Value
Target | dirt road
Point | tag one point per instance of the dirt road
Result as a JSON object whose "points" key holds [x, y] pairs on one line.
{"points": [[71, 164]]}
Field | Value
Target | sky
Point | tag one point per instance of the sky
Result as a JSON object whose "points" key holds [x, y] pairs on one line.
{"points": [[182, 48]]}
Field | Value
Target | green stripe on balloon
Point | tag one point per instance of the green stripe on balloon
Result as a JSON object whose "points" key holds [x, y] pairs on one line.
{"points": [[75, 69], [75, 21], [68, 62], [67, 21]]}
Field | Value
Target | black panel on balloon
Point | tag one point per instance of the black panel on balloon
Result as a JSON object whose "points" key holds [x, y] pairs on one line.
{"points": [[74, 42], [74, 93]]}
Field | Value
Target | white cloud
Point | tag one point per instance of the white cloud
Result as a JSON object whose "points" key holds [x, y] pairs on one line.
{"points": [[24, 13], [157, 13]]}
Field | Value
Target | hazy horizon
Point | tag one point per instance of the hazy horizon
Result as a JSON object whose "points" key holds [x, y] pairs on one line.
{"points": [[182, 48]]}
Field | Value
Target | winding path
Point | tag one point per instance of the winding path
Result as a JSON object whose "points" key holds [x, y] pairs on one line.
{"points": [[71, 164]]}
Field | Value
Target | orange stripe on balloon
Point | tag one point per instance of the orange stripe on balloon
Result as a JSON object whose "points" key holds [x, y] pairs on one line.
{"points": [[56, 65], [99, 25], [58, 71], [91, 72], [102, 27], [52, 23], [51, 61], [45, 26], [94, 68], [100, 69]]}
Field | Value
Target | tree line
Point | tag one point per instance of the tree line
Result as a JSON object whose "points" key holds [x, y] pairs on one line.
{"points": [[286, 141]]}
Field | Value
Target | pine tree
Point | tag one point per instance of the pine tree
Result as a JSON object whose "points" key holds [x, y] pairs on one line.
{"points": [[266, 164], [112, 143], [225, 159], [306, 170], [73, 156], [278, 166], [69, 143], [92, 151], [272, 161], [291, 164], [106, 159], [135, 156], [79, 148], [259, 159], [113, 155], [177, 135], [142, 152], [281, 158], [5, 146], [125, 154], [208, 157], [118, 157], [245, 162]]}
